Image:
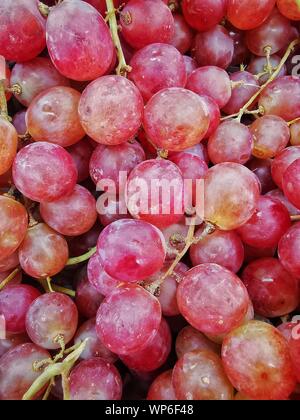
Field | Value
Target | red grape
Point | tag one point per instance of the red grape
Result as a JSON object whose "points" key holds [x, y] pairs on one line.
{"points": [[175, 239], [262, 169], [162, 388], [278, 194], [112, 210], [11, 341], [252, 253], [94, 347], [168, 127], [53, 116], [128, 319], [17, 371], [50, 316], [282, 161], [290, 331], [14, 304], [22, 33], [190, 339], [214, 47], [212, 299], [13, 227], [190, 64], [131, 250], [8, 145], [257, 361], [43, 252], [267, 225], [214, 116], [108, 161], [155, 192], [81, 153], [95, 379], [183, 35], [211, 81], [98, 278], [288, 250], [295, 134], [203, 15], [88, 298], [231, 195], [154, 15], [291, 183], [34, 77], [52, 172], [103, 113], [247, 16], [156, 67], [19, 122], [289, 9], [220, 247], [155, 353], [91, 50], [199, 375], [230, 142]]}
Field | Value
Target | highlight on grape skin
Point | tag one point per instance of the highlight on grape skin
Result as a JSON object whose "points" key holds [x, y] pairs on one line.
{"points": [[149, 202]]}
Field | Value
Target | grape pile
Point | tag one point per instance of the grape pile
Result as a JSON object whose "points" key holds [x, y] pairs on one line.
{"points": [[149, 200]]}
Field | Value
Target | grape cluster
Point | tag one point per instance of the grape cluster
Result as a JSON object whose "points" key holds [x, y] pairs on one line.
{"points": [[191, 293]]}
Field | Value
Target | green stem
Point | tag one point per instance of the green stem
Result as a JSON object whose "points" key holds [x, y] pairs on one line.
{"points": [[82, 258], [9, 278]]}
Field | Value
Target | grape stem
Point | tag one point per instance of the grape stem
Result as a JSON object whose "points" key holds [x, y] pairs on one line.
{"points": [[63, 368], [16, 89], [122, 68], [259, 111], [295, 218], [82, 258], [273, 76], [9, 278], [190, 239], [55, 288], [3, 103], [293, 121], [44, 9]]}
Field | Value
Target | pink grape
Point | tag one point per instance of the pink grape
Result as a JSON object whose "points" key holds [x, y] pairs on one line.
{"points": [[19, 122], [175, 239], [274, 98], [115, 209], [81, 153], [162, 388], [53, 116], [22, 34], [34, 77], [94, 347], [231, 195], [241, 53], [288, 250], [9, 264], [50, 316], [43, 252], [290, 330], [257, 361], [241, 93], [274, 33], [281, 162], [214, 47], [14, 303], [156, 67], [161, 184], [52, 173], [189, 339], [272, 290], [211, 81], [95, 379], [183, 35], [108, 161], [154, 355], [267, 225], [131, 250], [168, 288], [214, 116], [244, 16], [103, 114], [168, 127], [278, 195], [291, 183], [230, 142], [190, 64], [72, 215], [212, 299], [11, 341], [13, 227], [151, 14], [88, 298], [199, 375], [128, 319], [220, 247], [17, 371], [259, 65], [203, 15], [289, 9], [271, 135], [262, 169], [98, 278], [92, 51], [8, 145]]}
